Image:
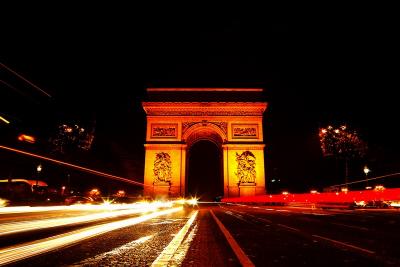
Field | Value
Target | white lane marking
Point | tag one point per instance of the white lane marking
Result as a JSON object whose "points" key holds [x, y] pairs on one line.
{"points": [[181, 252], [168, 252], [288, 227], [247, 214], [242, 257], [344, 244], [265, 220], [284, 210], [237, 216], [30, 249], [352, 226]]}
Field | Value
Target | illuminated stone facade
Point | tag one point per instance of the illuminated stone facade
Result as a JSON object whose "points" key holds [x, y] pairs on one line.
{"points": [[174, 126]]}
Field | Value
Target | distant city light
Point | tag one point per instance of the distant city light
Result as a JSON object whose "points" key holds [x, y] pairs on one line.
{"points": [[366, 170], [360, 203], [26, 138], [379, 188], [192, 201], [39, 168], [121, 193]]}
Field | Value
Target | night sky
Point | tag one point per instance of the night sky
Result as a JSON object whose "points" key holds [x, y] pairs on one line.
{"points": [[318, 66]]}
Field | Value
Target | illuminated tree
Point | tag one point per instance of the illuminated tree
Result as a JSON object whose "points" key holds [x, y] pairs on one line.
{"points": [[69, 138], [342, 143]]}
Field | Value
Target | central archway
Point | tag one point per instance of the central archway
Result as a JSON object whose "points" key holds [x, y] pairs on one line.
{"points": [[205, 176]]}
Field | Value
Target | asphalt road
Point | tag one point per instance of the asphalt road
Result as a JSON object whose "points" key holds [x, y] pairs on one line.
{"points": [[284, 236], [206, 235]]}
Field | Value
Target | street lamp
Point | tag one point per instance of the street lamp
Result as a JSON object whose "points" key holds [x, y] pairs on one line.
{"points": [[366, 171], [38, 169]]}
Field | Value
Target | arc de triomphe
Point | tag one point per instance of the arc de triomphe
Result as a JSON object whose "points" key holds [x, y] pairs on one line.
{"points": [[230, 118]]}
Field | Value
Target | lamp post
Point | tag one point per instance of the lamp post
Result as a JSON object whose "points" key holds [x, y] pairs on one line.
{"points": [[366, 171], [38, 169]]}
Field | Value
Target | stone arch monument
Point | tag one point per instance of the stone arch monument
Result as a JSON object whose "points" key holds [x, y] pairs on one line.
{"points": [[231, 118]]}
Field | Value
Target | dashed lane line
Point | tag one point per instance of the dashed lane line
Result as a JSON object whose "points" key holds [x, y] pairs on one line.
{"points": [[332, 241], [288, 227], [352, 226], [344, 244], [242, 257]]}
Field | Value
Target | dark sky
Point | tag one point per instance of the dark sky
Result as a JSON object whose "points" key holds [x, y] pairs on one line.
{"points": [[319, 65]]}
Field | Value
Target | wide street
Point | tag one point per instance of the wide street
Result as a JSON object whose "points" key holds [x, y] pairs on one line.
{"points": [[210, 234]]}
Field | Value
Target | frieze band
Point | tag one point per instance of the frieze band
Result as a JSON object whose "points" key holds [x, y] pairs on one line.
{"points": [[220, 124], [164, 130], [245, 131]]}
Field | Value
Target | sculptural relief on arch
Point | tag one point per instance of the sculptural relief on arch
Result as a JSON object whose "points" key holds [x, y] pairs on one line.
{"points": [[230, 118]]}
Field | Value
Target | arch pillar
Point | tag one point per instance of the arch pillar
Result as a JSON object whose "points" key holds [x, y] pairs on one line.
{"points": [[233, 187], [172, 186]]}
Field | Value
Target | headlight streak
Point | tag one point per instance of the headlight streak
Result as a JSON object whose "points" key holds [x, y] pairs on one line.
{"points": [[26, 209], [23, 226], [107, 211], [19, 252]]}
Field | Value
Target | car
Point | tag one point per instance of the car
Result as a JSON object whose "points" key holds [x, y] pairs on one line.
{"points": [[379, 204], [78, 200]]}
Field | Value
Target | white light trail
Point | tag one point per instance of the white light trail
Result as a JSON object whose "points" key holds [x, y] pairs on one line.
{"points": [[24, 226], [85, 207], [20, 252]]}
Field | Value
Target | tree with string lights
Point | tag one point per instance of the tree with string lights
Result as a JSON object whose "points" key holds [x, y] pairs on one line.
{"points": [[342, 143], [71, 137]]}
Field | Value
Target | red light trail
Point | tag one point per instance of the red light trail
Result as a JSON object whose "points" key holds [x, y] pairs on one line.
{"points": [[339, 197]]}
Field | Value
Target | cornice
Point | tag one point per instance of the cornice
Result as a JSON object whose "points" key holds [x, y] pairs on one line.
{"points": [[204, 108]]}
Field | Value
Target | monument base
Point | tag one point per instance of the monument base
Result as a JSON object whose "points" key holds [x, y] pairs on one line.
{"points": [[161, 191], [247, 189]]}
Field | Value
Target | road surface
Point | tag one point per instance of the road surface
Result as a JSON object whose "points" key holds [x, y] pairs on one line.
{"points": [[211, 234]]}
